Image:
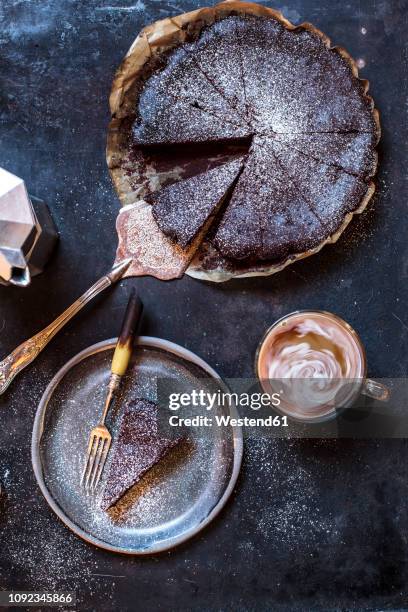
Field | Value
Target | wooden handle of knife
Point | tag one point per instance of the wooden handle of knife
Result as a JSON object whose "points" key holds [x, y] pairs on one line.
{"points": [[124, 347]]}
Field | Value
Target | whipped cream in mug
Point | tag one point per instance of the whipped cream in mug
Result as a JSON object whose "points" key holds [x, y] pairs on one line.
{"points": [[315, 358]]}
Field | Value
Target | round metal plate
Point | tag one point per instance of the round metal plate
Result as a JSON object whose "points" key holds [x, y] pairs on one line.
{"points": [[176, 498]]}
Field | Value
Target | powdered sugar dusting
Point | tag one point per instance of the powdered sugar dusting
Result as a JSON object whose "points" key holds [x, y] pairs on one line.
{"points": [[293, 517]]}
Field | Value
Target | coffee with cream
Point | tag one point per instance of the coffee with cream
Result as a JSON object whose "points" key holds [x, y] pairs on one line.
{"points": [[315, 358]]}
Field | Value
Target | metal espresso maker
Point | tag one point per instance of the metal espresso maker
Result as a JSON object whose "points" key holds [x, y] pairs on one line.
{"points": [[27, 232]]}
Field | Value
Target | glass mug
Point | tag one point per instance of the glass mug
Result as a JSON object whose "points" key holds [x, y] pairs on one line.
{"points": [[317, 364]]}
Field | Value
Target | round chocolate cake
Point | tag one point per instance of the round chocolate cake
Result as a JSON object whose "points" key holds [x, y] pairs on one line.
{"points": [[242, 129]]}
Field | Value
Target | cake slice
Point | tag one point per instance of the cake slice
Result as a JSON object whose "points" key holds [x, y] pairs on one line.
{"points": [[332, 192], [267, 218], [238, 233], [179, 105], [352, 152], [177, 122], [184, 79], [139, 446], [256, 41], [218, 56], [182, 209]]}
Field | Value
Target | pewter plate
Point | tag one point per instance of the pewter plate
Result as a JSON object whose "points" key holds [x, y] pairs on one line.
{"points": [[176, 498]]}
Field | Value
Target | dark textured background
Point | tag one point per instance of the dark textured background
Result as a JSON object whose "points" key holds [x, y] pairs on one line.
{"points": [[311, 525]]}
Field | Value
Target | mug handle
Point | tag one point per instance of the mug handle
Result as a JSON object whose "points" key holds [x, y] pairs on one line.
{"points": [[376, 390]]}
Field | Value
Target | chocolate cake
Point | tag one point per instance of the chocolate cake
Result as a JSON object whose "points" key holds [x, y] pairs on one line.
{"points": [[242, 71], [139, 446], [182, 209]]}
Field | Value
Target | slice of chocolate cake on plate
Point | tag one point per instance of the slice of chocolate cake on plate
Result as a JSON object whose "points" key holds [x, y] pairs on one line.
{"points": [[139, 446]]}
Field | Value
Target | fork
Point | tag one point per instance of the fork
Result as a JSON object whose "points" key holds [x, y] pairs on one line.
{"points": [[100, 438]]}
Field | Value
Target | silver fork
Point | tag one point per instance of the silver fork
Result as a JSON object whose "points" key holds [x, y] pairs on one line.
{"points": [[100, 438]]}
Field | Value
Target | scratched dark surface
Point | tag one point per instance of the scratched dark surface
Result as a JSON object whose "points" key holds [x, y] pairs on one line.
{"points": [[311, 525]]}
